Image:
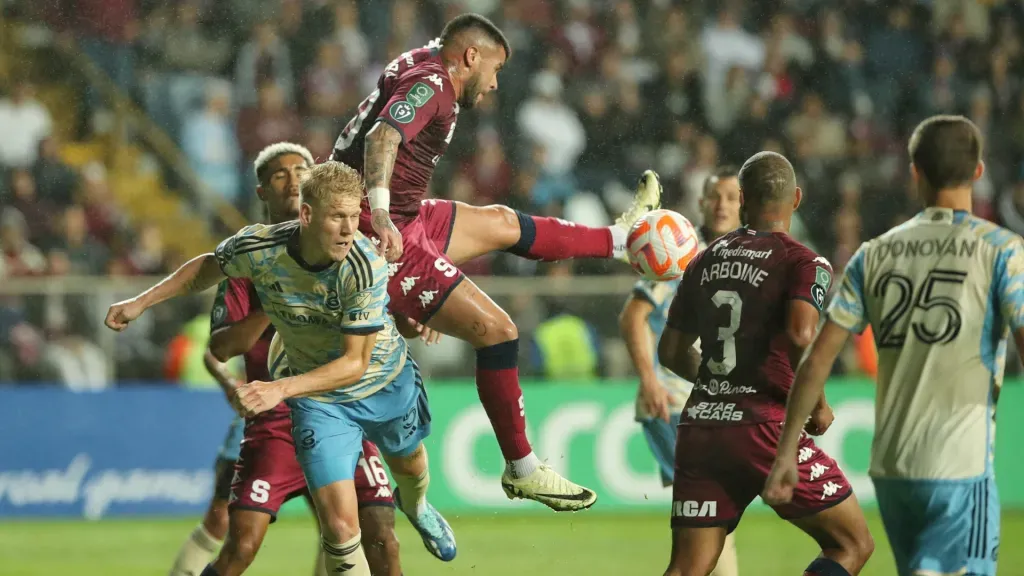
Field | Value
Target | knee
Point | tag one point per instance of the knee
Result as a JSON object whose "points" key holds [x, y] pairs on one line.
{"points": [[864, 547], [216, 520], [338, 530], [242, 551], [506, 221], [381, 543], [490, 330]]}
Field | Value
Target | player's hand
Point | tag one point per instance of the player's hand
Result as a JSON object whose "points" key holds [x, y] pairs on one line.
{"points": [[820, 420], [121, 314], [257, 397], [654, 398], [778, 488], [428, 335], [390, 246]]}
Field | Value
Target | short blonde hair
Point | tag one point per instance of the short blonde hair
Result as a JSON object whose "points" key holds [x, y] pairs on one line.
{"points": [[330, 179]]}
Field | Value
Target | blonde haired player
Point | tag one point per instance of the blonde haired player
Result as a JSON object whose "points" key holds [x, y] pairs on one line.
{"points": [[325, 290], [942, 293], [662, 394]]}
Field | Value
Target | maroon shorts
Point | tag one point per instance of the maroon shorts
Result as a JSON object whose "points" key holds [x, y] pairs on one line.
{"points": [[267, 473], [721, 469], [423, 278]]}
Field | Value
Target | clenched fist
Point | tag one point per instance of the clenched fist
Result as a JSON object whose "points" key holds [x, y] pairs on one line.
{"points": [[257, 397], [121, 314]]}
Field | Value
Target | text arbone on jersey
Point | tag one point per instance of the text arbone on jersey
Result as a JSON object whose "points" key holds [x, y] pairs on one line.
{"points": [[734, 270]]}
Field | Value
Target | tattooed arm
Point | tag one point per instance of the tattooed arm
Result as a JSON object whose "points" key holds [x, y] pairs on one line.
{"points": [[382, 144]]}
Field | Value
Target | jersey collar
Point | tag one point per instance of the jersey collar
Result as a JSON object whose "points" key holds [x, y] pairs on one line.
{"points": [[938, 214], [296, 254]]}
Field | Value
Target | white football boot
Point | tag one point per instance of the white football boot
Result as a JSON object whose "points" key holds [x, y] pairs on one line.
{"points": [[550, 489], [646, 198]]}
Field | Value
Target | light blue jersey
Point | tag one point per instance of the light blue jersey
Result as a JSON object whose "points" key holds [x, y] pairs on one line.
{"points": [[941, 293], [313, 309]]}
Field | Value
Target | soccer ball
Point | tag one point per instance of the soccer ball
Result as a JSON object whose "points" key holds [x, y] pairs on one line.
{"points": [[661, 244]]}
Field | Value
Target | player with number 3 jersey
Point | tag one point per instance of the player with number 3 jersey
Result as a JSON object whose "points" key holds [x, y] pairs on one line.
{"points": [[753, 298]]}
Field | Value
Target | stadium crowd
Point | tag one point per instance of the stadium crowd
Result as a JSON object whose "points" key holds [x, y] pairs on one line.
{"points": [[596, 91]]}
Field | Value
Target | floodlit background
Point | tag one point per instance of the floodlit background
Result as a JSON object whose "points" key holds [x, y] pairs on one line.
{"points": [[127, 132]]}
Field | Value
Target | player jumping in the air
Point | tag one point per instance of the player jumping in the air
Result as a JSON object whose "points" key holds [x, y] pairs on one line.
{"points": [[325, 291], [661, 394], [941, 293], [399, 133], [753, 298], [269, 474]]}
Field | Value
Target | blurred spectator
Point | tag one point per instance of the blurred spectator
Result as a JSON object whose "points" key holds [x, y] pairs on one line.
{"points": [[147, 255], [725, 44], [328, 86], [815, 132], [107, 31], [20, 257], [55, 181], [548, 122], [101, 212], [208, 140], [264, 58], [346, 33], [26, 122], [186, 47], [489, 173], [270, 121], [34, 210], [87, 257]]}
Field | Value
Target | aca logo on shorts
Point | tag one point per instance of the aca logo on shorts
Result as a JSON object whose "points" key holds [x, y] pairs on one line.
{"points": [[694, 509], [721, 411]]}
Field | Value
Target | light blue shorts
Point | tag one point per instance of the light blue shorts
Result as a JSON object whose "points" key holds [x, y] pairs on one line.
{"points": [[942, 526], [329, 437], [661, 437], [233, 441]]}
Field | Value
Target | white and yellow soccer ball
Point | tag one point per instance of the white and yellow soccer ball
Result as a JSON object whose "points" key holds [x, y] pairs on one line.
{"points": [[661, 244]]}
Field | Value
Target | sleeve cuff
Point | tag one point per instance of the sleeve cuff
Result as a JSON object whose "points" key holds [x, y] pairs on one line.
{"points": [[394, 125]]}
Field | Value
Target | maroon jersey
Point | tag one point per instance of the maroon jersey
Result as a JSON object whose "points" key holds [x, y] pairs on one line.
{"points": [[236, 298], [735, 296], [416, 97]]}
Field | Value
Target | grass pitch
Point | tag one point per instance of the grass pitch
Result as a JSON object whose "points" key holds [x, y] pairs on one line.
{"points": [[495, 545]]}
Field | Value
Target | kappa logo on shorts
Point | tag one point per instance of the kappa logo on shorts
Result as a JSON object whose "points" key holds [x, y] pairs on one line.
{"points": [[720, 411], [408, 283], [695, 509], [392, 267], [829, 489], [427, 296], [817, 469], [805, 455]]}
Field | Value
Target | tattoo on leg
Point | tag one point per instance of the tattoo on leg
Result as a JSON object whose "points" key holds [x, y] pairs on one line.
{"points": [[479, 328]]}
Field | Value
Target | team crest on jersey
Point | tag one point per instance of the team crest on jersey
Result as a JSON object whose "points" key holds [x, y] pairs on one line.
{"points": [[332, 301], [220, 313], [402, 112], [420, 94]]}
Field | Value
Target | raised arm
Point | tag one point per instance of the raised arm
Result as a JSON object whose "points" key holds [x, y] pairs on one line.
{"points": [[194, 276]]}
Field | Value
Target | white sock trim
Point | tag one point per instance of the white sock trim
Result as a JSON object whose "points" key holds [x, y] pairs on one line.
{"points": [[524, 466]]}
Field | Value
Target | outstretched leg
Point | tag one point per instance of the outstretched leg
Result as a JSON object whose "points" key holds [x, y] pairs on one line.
{"points": [[479, 230], [842, 532], [468, 314]]}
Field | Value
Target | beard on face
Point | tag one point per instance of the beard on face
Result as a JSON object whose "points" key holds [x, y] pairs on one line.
{"points": [[470, 92]]}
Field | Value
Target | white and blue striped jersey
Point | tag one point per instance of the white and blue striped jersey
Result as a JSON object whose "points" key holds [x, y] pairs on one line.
{"points": [[659, 295], [941, 293]]}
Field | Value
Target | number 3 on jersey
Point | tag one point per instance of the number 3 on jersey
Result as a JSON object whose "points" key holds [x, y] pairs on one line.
{"points": [[727, 334]]}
